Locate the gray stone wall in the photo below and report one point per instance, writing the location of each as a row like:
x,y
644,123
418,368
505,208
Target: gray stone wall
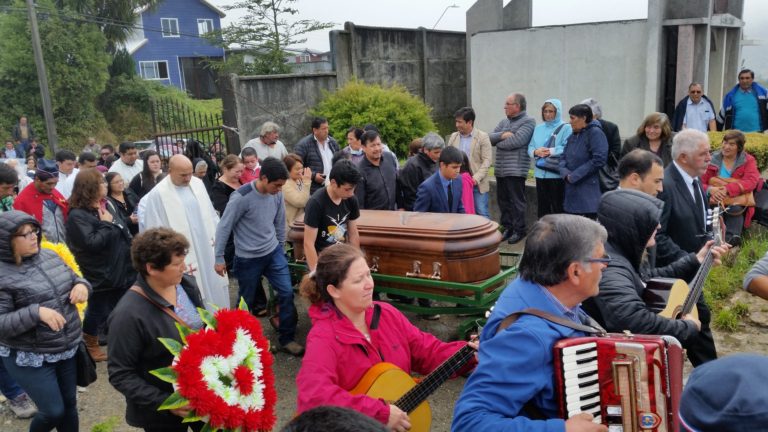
x,y
430,64
283,99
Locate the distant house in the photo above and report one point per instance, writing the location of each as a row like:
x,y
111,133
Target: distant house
x,y
168,45
301,60
308,60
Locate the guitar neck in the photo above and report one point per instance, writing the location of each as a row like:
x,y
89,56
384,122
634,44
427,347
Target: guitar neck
x,y
414,397
697,285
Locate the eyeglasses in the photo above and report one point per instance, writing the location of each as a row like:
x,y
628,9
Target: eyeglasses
x,y
694,91
606,259
30,234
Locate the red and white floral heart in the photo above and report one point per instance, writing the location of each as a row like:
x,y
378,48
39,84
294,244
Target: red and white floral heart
x,y
224,373
236,378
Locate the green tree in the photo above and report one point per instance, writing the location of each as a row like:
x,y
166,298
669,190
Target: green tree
x,y
115,18
264,33
76,63
399,115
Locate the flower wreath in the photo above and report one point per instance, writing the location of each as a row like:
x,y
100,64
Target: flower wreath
x,y
223,372
65,254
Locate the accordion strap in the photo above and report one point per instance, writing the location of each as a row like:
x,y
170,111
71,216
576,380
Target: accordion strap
x,y
591,327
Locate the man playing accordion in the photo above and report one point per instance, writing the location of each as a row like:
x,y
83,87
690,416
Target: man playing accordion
x,y
513,386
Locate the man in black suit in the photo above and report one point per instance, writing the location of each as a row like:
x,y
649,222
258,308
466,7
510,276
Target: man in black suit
x,y
684,226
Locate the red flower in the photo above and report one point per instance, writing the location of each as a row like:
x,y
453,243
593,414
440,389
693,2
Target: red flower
x,y
208,391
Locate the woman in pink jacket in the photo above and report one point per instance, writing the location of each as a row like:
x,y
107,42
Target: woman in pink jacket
x,y
351,333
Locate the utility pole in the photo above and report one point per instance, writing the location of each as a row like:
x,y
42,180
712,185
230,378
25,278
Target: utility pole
x,y
42,77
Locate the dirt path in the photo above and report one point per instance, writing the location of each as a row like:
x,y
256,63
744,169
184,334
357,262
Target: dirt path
x,y
102,405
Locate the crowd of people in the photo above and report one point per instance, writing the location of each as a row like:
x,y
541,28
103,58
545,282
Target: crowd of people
x,y
154,245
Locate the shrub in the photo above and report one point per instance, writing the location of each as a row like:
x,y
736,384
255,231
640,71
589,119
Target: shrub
x,y
757,146
399,115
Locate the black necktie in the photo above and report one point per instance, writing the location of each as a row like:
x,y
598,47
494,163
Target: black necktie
x,y
699,201
450,198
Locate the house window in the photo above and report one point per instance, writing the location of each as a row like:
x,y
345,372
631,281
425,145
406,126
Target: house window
x,y
154,70
304,58
170,27
204,26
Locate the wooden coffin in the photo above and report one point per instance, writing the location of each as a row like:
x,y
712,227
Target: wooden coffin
x,y
448,247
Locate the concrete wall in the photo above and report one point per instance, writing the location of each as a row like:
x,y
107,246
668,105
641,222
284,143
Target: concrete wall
x,y
430,64
283,99
605,61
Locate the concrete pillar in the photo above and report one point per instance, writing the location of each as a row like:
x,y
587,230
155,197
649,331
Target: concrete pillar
x,y
518,14
484,15
653,58
685,60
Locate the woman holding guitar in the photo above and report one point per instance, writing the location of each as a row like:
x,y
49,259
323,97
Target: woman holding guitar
x,y
353,335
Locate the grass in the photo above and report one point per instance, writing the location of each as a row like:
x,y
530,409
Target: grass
x,y
106,426
725,280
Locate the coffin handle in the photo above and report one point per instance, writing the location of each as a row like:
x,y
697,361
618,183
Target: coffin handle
x,y
416,271
375,266
436,271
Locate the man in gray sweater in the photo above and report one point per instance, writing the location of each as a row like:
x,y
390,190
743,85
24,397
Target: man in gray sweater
x,y
256,215
511,137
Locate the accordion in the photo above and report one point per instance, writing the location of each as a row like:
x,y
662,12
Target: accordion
x,y
627,382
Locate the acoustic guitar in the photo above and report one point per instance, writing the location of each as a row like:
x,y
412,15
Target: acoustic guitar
x,y
674,298
389,382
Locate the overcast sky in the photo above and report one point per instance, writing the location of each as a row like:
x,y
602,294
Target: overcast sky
x,y
425,13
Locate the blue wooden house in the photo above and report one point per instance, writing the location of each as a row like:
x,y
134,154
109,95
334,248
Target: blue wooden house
x,y
168,45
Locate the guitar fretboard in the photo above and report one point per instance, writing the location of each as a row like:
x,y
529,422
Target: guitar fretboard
x,y
431,382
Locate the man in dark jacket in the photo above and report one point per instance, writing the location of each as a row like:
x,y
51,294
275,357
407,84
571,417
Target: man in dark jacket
x,y
610,129
511,137
631,219
378,187
316,151
419,168
695,111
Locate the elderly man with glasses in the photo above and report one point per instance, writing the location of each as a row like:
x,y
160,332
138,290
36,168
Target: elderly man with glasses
x,y
695,111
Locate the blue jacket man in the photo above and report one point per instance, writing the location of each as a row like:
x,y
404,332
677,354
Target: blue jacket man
x,y
730,117
432,195
560,267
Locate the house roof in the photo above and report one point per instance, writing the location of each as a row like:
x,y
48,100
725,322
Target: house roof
x,y
218,11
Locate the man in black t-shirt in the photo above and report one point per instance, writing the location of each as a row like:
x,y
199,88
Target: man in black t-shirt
x,y
331,213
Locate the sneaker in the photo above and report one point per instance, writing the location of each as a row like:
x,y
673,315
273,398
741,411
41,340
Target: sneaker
x,y
430,317
22,406
293,348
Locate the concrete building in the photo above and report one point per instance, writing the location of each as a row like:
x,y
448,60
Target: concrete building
x,y
632,67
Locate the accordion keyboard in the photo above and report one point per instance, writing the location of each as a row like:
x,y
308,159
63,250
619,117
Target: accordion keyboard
x,y
582,387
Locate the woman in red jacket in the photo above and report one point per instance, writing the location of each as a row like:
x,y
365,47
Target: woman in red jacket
x,y
732,172
351,333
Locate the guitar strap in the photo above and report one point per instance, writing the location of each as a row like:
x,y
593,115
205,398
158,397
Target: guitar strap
x,y
590,326
376,316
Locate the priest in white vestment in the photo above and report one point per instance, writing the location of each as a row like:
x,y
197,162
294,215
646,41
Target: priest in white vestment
x,y
180,202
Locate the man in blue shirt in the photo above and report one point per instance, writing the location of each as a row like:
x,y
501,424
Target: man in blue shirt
x,y
744,107
561,266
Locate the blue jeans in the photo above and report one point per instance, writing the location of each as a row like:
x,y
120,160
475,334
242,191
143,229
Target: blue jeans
x,y
481,202
275,267
100,305
53,388
8,386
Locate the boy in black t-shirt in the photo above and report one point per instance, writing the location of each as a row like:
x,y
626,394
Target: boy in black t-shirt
x,y
331,213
